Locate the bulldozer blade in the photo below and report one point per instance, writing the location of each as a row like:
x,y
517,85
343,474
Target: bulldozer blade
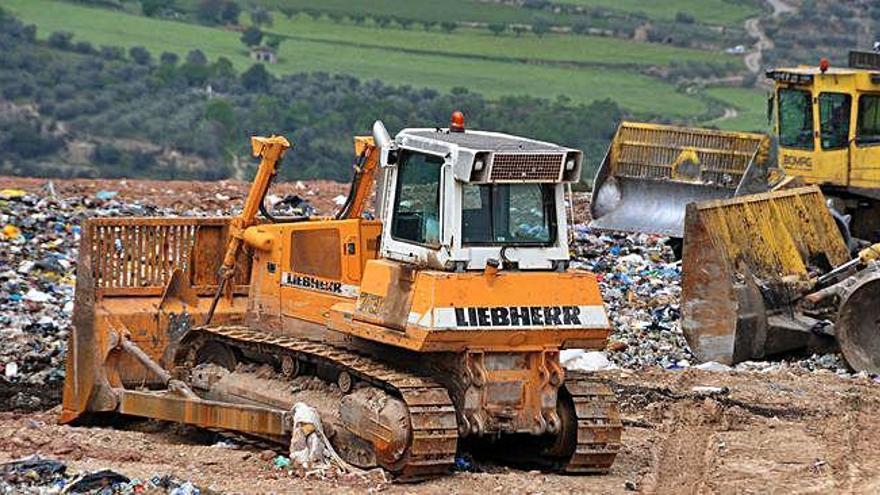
x,y
649,207
651,172
746,261
856,326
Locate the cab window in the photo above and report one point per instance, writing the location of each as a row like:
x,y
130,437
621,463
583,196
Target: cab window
x,y
417,203
508,214
795,119
834,111
868,129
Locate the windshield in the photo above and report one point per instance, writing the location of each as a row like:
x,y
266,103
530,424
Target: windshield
x,y
508,214
795,119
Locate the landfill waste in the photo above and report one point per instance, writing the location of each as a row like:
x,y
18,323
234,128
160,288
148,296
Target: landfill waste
x,y
638,275
96,481
640,282
38,475
582,360
292,205
311,450
713,366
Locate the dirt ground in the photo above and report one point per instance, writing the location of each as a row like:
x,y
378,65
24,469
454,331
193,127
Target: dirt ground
x,y
787,431
784,431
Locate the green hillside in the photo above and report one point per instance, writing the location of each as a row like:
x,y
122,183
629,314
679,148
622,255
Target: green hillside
x,y
439,61
725,12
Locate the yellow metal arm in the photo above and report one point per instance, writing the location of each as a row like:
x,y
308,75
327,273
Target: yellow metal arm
x,y
365,172
270,150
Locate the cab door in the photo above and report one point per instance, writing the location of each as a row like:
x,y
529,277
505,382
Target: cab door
x,y
833,160
865,147
797,121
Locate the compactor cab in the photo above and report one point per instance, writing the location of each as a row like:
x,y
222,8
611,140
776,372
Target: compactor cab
x,y
828,132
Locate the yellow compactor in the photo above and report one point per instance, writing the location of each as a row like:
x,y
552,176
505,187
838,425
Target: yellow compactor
x,y
766,270
441,321
826,133
768,274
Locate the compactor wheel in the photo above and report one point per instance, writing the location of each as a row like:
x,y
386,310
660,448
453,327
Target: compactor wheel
x,y
858,323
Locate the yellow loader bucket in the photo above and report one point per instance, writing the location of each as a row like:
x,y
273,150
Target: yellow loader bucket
x,y
651,172
746,262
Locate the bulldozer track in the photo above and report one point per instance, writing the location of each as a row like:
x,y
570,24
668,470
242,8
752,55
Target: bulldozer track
x,y
434,430
599,427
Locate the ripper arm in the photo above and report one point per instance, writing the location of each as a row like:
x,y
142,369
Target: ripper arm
x,y
270,150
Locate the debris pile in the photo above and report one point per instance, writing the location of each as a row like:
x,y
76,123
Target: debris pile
x,y
39,239
640,280
39,475
641,285
40,234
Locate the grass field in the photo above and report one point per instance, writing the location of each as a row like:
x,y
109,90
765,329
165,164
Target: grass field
x,y
751,107
422,11
551,47
706,11
638,93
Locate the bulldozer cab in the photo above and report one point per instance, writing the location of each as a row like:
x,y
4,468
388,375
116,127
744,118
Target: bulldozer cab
x,y
459,200
828,123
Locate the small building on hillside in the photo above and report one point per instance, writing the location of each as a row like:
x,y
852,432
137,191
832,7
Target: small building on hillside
x,y
264,54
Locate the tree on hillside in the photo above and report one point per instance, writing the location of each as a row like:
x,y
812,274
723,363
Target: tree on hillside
x,y
256,79
448,27
84,47
112,52
140,55
196,57
288,12
169,58
274,42
218,11
497,28
230,12
260,16
252,36
60,40
152,8
541,27
684,18
519,30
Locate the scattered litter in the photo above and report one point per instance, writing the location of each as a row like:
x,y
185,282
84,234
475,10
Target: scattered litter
x,y
582,360
10,370
106,195
12,194
713,366
11,232
311,450
281,462
705,390
39,475
225,444
98,480
293,205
